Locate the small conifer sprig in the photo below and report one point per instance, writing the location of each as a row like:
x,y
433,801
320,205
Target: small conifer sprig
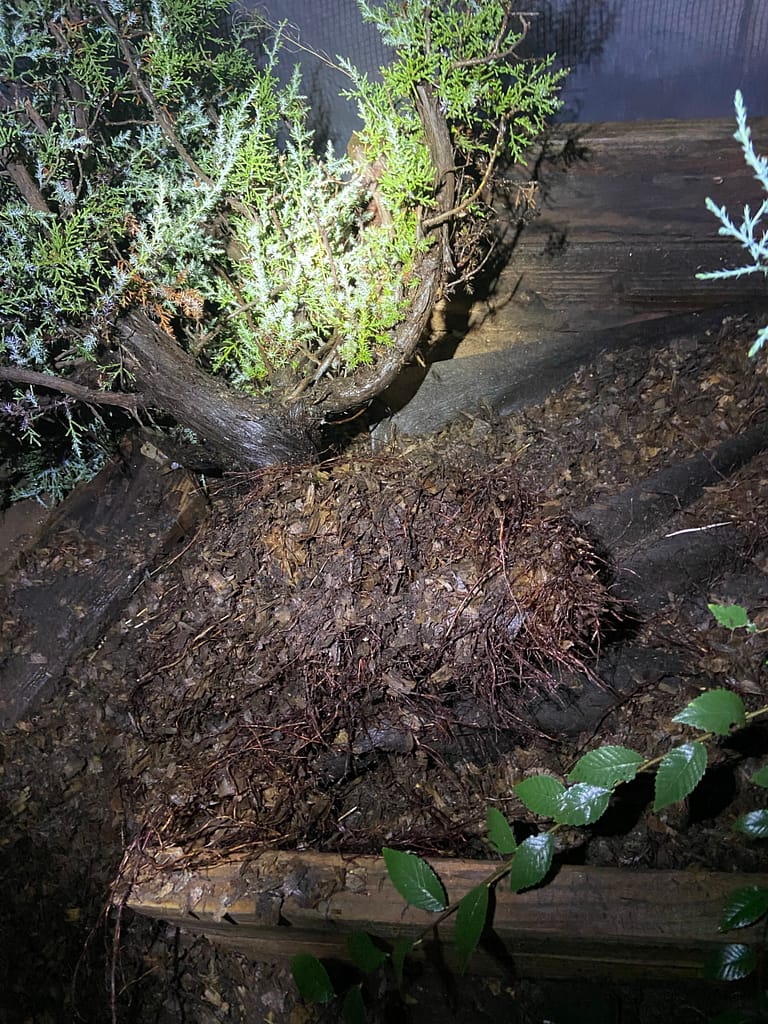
x,y
752,233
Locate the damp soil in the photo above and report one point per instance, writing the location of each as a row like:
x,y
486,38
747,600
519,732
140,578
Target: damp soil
x,y
374,650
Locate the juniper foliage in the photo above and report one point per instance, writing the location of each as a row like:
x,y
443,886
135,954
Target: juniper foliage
x,y
752,233
152,156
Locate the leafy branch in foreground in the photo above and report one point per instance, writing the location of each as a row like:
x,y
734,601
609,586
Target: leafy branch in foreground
x,y
744,908
752,233
580,801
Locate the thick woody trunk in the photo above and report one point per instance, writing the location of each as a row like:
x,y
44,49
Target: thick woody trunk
x,y
244,432
247,432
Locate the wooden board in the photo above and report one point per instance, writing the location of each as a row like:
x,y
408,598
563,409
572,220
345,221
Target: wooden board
x,y
621,231
600,922
68,585
424,400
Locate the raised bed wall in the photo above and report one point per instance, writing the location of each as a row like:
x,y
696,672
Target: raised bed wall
x,y
597,922
608,259
621,231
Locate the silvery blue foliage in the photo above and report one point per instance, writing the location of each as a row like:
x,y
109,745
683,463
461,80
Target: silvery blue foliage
x,y
749,232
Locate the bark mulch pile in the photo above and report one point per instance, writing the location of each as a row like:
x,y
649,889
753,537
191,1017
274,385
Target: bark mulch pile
x,y
347,656
332,616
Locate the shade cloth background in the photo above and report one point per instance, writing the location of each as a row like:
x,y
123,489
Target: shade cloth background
x,y
630,59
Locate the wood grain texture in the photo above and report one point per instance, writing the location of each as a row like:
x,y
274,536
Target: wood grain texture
x,y
597,921
620,231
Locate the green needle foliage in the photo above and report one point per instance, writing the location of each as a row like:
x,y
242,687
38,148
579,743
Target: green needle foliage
x,y
150,157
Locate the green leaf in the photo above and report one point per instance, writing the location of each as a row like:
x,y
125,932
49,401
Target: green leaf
x,y
607,766
364,952
679,773
311,979
471,916
415,880
714,711
732,616
731,963
353,1007
400,951
754,824
500,834
743,907
760,778
540,794
582,804
533,860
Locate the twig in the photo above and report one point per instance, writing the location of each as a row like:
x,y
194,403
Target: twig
x,y
69,387
463,206
321,370
161,116
506,866
696,529
24,182
495,53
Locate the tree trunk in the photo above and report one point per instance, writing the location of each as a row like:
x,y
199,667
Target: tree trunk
x,y
256,432
246,432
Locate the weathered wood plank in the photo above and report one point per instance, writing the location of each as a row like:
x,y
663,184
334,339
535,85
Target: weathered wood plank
x,y
620,232
66,588
512,376
600,921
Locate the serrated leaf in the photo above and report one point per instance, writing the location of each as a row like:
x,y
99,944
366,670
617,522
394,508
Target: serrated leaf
x,y
754,824
532,861
364,953
415,880
760,778
500,834
353,1007
607,766
471,915
311,979
731,963
679,773
582,804
743,907
400,951
731,616
714,711
540,794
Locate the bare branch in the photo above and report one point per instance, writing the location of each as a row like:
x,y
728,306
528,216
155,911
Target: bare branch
x,y
35,119
13,101
24,182
489,58
162,118
322,369
247,431
434,265
69,387
496,53
464,205
142,89
345,393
